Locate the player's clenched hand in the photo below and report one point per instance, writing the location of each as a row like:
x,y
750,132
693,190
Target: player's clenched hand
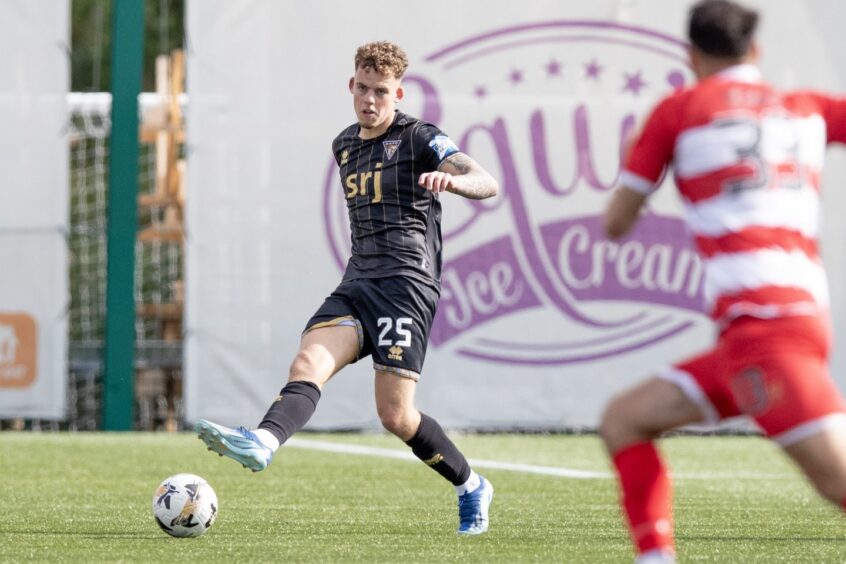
x,y
436,181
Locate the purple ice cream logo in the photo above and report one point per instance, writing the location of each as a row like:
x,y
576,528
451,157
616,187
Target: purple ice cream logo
x,y
529,277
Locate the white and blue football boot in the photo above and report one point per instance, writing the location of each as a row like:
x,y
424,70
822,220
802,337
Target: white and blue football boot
x,y
473,509
239,444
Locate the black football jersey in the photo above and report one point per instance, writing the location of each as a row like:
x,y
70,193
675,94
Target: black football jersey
x,y
395,224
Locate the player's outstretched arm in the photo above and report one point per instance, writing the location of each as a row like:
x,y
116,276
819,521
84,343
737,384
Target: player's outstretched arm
x,y
623,211
461,175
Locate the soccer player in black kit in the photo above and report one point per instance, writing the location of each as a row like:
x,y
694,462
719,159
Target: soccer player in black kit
x,y
393,167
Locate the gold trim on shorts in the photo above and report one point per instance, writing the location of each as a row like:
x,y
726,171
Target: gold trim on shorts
x,y
337,322
402,372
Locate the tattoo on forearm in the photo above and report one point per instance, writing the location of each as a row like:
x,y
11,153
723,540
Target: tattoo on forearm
x,y
462,163
469,179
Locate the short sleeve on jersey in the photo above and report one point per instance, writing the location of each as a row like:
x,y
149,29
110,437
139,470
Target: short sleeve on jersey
x,y
434,145
834,113
832,109
652,150
336,149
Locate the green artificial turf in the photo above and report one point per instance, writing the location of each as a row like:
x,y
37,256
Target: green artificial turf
x,y
87,498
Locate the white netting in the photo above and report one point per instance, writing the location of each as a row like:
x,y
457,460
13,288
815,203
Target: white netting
x,y
89,138
158,263
157,277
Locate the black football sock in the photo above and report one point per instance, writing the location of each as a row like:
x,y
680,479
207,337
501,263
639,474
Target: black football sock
x,y
431,445
291,410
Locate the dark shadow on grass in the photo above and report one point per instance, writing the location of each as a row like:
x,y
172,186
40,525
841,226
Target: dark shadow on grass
x,y
127,534
760,538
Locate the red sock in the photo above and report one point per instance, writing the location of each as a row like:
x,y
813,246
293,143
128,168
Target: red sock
x,y
645,493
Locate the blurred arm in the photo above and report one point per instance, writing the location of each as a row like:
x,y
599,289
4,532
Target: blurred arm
x,y
623,211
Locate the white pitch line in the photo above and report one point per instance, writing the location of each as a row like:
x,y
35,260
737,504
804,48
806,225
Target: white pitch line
x,y
474,462
346,448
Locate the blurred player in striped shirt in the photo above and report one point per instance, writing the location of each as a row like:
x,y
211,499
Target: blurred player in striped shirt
x,y
747,161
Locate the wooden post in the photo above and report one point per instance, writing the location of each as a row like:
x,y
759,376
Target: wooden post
x,y
166,129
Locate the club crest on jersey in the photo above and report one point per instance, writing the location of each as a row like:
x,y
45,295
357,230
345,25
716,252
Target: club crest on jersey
x,y
750,391
443,146
391,148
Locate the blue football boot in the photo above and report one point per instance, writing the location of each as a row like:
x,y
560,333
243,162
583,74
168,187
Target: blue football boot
x,y
473,509
239,444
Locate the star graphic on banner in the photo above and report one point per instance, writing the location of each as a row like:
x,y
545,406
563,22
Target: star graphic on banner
x,y
592,70
634,83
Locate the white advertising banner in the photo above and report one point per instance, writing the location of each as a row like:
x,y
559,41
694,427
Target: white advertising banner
x,y
541,318
34,80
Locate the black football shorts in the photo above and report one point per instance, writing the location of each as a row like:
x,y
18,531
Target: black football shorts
x,y
393,317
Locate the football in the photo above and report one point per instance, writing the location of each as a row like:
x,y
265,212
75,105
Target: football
x,y
185,505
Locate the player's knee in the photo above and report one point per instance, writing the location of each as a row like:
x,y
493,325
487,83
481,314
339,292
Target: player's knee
x,y
615,427
834,490
303,367
611,425
396,421
822,459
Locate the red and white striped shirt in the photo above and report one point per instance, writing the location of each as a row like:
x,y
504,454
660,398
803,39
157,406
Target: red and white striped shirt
x,y
747,161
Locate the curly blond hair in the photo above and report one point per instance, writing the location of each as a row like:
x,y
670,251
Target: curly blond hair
x,y
382,56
